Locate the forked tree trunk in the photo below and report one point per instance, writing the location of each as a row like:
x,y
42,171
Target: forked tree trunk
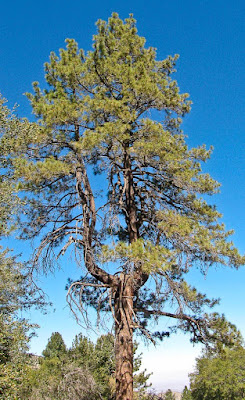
x,y
124,338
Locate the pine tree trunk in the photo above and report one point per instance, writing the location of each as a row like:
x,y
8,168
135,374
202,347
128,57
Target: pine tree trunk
x,y
124,338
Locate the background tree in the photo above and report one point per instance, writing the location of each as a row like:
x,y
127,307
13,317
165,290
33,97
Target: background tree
x,y
82,352
220,377
104,365
141,377
62,374
169,395
56,347
116,111
14,332
186,394
219,373
17,291
85,371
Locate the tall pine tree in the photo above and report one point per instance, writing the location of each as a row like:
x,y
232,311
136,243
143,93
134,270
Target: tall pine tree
x,y
116,112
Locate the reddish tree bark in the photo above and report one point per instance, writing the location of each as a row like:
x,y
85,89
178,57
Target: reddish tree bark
x,y
124,338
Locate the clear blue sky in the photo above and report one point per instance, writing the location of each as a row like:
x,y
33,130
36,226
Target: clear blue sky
x,y
209,36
